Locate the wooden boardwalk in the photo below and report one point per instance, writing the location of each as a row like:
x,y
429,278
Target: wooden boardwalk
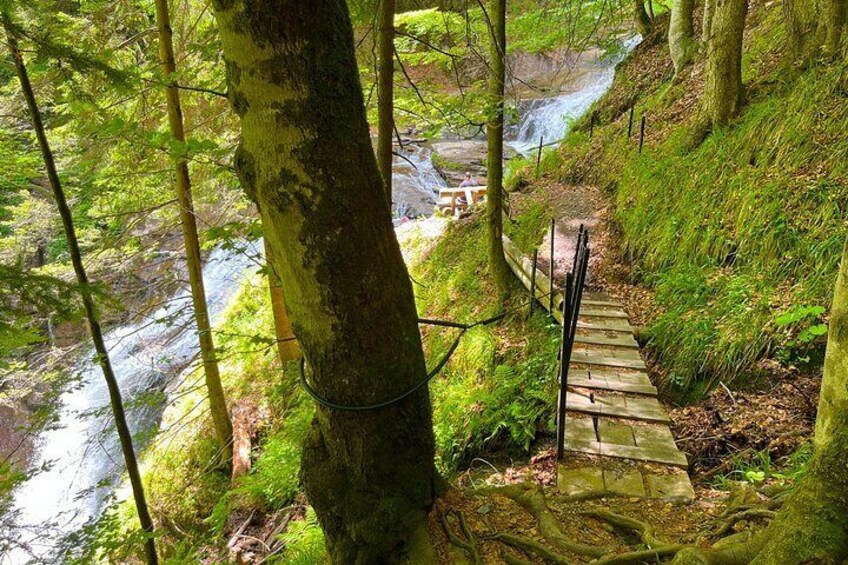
x,y
613,416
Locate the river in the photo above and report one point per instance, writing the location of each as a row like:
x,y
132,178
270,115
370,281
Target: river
x,y
80,460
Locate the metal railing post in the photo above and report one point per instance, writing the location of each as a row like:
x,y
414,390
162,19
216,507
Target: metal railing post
x,y
564,360
551,268
533,282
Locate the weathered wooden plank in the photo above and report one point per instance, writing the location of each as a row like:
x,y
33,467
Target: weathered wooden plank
x,y
601,303
601,351
624,341
664,456
617,408
592,359
595,313
604,326
615,386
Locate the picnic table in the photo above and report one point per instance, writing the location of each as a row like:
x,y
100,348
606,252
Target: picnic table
x,y
448,197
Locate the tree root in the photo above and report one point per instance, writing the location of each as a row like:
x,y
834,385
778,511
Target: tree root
x,y
532,499
731,521
531,546
469,544
656,548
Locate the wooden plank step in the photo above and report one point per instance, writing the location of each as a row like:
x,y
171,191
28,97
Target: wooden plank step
x,y
601,339
604,326
637,408
601,383
664,456
592,359
593,313
601,351
600,303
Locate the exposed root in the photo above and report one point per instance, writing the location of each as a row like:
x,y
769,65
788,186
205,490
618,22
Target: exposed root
x,y
656,548
531,546
736,517
469,544
511,560
531,498
646,555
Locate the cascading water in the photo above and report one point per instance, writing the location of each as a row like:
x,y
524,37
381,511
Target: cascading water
x,y
550,119
81,458
415,182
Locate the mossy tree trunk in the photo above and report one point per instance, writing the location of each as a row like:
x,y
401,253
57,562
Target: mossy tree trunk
x,y
681,34
832,23
707,21
287,348
92,316
494,133
306,159
641,17
214,389
386,91
723,91
801,22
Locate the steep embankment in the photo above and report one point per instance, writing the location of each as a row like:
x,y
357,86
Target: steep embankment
x,y
736,241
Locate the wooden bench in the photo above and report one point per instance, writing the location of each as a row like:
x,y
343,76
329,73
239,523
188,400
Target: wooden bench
x,y
448,197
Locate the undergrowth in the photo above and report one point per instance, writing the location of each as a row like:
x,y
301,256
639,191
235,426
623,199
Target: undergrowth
x,y
735,235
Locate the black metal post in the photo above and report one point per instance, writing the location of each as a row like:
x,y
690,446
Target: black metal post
x,y
577,249
564,360
630,121
539,155
642,134
533,282
551,269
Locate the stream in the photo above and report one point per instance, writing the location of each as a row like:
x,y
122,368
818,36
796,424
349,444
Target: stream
x,y
79,459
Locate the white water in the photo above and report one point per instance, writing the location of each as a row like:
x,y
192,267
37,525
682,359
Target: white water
x,y
415,182
551,119
81,455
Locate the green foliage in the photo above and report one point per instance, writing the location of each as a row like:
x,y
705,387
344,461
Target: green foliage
x,y
304,543
498,389
736,235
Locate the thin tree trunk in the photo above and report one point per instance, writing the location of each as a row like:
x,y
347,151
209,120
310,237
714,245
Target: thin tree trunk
x,y
681,34
214,389
643,21
286,342
385,91
494,134
723,91
707,22
306,158
124,434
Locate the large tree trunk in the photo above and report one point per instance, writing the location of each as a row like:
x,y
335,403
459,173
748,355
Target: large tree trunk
x,y
801,21
707,22
643,21
723,91
217,401
307,160
681,34
286,343
386,91
92,317
494,133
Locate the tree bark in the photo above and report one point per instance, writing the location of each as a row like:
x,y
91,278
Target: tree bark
x,y
707,22
643,21
214,389
286,343
386,91
723,91
681,34
801,18
306,159
92,317
834,18
494,133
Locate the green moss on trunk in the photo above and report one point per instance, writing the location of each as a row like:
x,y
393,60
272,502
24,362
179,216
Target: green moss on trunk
x,y
306,158
723,92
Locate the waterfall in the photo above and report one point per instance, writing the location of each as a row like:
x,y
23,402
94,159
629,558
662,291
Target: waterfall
x,y
80,459
415,182
552,118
